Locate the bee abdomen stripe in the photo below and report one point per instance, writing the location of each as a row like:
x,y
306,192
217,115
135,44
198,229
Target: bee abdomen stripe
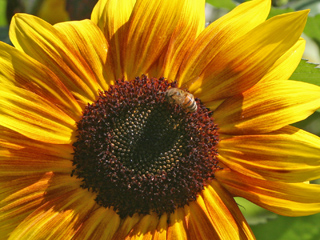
x,y
193,106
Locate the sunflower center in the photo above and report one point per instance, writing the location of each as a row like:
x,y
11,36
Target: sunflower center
x,y
140,152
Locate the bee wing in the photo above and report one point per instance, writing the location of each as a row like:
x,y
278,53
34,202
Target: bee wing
x,y
180,96
186,85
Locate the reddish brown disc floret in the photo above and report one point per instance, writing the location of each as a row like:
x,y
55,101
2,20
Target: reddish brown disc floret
x,y
139,153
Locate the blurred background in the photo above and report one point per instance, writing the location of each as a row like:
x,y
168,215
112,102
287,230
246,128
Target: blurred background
x,y
266,225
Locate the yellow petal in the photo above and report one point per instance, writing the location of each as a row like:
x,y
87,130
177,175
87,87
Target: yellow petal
x,y
53,11
289,154
94,56
19,197
151,25
18,69
64,184
177,226
126,226
101,224
44,43
289,199
199,224
287,63
111,17
56,219
15,141
246,60
21,156
161,231
145,228
19,163
267,107
190,24
34,117
219,34
221,208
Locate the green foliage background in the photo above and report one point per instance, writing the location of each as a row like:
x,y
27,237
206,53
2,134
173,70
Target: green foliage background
x,y
3,20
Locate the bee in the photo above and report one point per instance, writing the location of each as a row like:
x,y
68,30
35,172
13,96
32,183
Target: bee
x,y
183,98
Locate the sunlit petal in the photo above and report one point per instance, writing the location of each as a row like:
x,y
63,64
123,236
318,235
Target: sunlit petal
x,y
246,60
219,34
27,73
289,154
289,199
111,16
34,116
44,43
259,111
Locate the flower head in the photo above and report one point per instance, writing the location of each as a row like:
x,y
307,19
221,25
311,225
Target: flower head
x,y
141,123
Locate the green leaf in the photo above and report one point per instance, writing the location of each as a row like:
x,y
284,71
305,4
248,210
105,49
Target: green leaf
x,y
279,3
311,124
312,28
3,20
293,228
307,72
313,5
253,213
278,11
228,4
4,34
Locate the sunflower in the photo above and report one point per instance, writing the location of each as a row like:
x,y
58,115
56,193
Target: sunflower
x,y
143,124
